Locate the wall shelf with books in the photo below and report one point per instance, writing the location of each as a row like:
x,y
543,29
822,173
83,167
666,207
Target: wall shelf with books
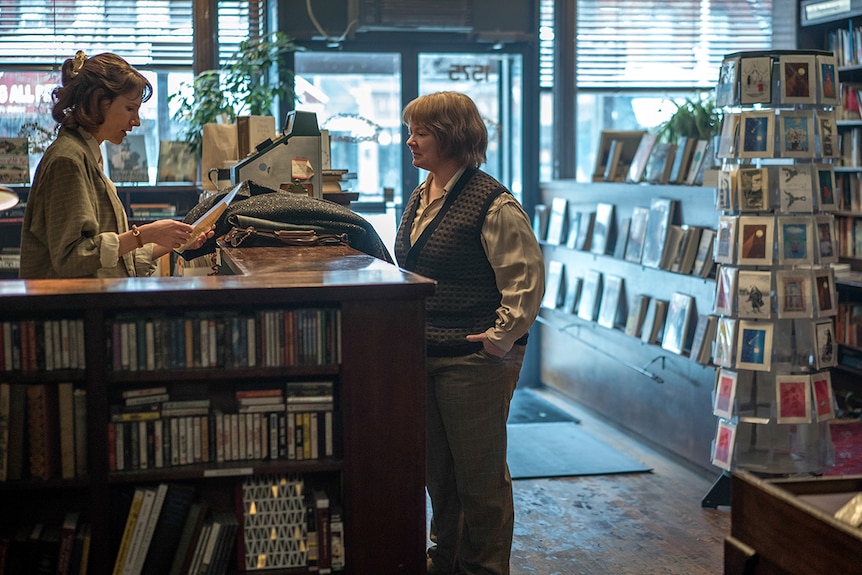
x,y
620,379
224,428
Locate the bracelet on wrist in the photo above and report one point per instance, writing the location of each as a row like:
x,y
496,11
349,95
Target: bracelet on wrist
x,y
137,233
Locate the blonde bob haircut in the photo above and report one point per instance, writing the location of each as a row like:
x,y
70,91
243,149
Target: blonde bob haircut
x,y
456,123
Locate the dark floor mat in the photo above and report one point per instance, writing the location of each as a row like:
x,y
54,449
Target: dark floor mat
x,y
529,407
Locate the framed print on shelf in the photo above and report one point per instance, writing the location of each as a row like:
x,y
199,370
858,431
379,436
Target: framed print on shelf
x,y
754,345
725,342
795,240
793,398
796,134
794,188
824,401
637,233
825,346
754,294
755,80
753,189
756,135
677,327
755,240
826,198
725,289
628,139
827,248
725,393
827,80
798,79
725,239
793,292
725,439
827,134
825,295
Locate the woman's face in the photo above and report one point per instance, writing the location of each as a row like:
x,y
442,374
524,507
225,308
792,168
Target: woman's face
x,y
121,116
425,148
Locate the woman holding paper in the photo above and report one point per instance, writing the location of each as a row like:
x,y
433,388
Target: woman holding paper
x,y
75,224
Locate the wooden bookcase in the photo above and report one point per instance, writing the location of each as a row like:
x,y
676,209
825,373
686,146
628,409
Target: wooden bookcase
x,y
378,475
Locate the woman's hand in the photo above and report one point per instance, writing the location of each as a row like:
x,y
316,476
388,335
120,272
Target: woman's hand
x,y
172,234
489,346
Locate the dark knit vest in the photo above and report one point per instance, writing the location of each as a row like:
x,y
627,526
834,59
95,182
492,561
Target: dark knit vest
x,y
450,252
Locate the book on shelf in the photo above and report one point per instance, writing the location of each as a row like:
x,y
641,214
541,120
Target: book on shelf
x,y
622,238
677,331
585,231
654,322
703,259
168,529
16,462
661,216
557,221
573,227
127,161
673,247
14,161
681,159
42,432
555,285
641,158
66,429
79,402
637,234
603,237
323,529
131,524
68,531
613,167
698,162
613,297
5,417
588,306
660,163
541,215
573,294
627,142
687,253
702,340
636,315
189,536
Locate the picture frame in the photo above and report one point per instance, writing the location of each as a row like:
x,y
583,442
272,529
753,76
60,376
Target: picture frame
x,y
828,90
754,294
724,444
755,245
827,199
637,234
827,245
796,134
795,188
726,188
795,240
725,239
827,134
823,398
612,298
755,80
725,342
725,289
726,91
725,393
793,398
752,186
798,79
677,330
757,135
754,345
793,294
825,345
629,139
825,294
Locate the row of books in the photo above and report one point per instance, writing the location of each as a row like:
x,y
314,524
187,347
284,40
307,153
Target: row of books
x,y
783,189
846,45
849,236
266,338
848,325
802,135
655,162
784,240
649,237
43,431
601,298
851,147
266,426
153,210
41,345
56,547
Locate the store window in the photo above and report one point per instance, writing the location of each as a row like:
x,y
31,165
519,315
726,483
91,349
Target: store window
x,y
155,36
634,59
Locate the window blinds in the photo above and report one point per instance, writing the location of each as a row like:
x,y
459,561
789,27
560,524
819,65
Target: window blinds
x,y
634,44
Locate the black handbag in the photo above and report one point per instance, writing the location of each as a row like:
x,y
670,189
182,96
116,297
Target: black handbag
x,y
251,231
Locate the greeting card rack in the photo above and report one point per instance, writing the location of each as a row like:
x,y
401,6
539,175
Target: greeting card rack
x,y
775,288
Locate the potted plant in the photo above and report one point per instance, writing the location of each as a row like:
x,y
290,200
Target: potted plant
x,y
695,118
250,83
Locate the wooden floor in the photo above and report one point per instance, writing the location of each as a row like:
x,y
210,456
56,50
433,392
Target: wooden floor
x,y
637,524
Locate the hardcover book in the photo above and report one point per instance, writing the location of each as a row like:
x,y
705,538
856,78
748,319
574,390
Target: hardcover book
x,y
653,328
558,222
662,212
541,215
641,158
630,139
703,260
677,331
127,161
637,314
555,285
727,90
682,159
573,294
660,163
612,297
603,229
704,336
637,234
573,231
588,306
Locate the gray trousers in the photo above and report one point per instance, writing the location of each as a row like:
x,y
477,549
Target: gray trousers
x,y
467,475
